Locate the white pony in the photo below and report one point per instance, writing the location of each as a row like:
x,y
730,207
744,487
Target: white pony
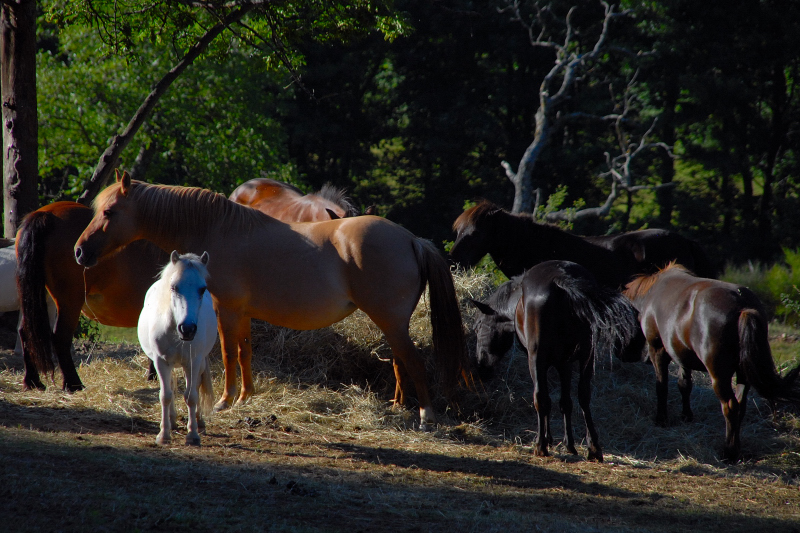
x,y
9,297
178,326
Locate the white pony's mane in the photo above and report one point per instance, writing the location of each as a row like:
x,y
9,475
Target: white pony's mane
x,y
186,261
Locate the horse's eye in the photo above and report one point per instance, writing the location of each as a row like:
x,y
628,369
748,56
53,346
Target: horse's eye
x,y
107,213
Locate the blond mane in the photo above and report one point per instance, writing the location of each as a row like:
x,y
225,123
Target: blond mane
x,y
641,284
185,210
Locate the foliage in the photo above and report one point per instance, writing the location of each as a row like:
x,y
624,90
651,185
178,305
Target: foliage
x,y
88,332
776,285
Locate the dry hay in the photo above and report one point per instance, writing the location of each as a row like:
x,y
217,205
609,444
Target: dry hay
x,y
338,381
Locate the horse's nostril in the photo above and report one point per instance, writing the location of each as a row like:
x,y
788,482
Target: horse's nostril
x,y
187,331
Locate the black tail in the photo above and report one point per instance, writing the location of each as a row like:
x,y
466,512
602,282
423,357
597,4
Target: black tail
x,y
613,319
755,361
35,327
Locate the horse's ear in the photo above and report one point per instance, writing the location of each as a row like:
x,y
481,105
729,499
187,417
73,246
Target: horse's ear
x,y
124,181
204,258
332,214
175,257
371,210
482,307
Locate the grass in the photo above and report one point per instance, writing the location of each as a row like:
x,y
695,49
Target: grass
x,y
319,448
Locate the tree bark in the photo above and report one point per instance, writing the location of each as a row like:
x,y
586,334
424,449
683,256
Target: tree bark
x,y
110,158
20,126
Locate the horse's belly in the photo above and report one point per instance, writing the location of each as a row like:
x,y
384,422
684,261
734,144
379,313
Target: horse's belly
x,y
304,317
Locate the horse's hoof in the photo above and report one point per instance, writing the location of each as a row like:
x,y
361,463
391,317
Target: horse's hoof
x,y
73,388
595,455
193,440
661,422
427,427
540,452
162,440
33,385
572,450
221,406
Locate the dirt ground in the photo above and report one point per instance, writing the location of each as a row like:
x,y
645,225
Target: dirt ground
x,y
309,458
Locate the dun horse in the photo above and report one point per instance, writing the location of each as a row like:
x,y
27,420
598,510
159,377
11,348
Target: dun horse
x,y
710,326
517,242
178,327
561,316
297,275
286,202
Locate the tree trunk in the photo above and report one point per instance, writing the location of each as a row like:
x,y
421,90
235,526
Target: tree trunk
x,y
20,126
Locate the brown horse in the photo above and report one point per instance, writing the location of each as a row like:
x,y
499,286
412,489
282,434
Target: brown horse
x,y
710,326
111,292
296,275
517,242
286,202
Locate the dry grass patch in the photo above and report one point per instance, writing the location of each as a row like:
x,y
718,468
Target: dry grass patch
x,y
319,448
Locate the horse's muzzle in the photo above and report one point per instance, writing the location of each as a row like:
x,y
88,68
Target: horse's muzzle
x,y
187,331
82,258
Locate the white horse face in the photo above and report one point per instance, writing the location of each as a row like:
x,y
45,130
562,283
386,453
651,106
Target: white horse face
x,y
187,289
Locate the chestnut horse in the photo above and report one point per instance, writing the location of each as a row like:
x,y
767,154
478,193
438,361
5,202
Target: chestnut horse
x,y
286,202
561,315
296,275
111,292
517,242
711,326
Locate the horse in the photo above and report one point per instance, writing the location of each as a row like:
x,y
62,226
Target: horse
x,y
710,326
561,315
517,242
112,292
286,202
178,326
296,275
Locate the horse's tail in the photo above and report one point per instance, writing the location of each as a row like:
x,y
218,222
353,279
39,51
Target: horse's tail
x,y
449,343
206,403
613,320
755,361
37,337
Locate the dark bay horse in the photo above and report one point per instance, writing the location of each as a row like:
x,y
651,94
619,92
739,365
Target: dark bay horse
x,y
711,326
296,275
561,315
112,292
517,242
288,203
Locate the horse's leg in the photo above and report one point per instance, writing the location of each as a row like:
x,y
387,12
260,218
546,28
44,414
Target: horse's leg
x,y
69,314
165,396
230,325
31,379
412,365
192,396
565,373
584,398
660,360
400,375
245,359
541,401
685,387
730,410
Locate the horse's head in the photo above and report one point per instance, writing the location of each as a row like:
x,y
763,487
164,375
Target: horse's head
x,y
495,337
186,277
474,234
113,225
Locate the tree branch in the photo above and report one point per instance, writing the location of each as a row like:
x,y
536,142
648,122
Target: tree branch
x,y
109,160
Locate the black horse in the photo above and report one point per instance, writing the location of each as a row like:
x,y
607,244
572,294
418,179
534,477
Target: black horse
x,y
560,315
517,242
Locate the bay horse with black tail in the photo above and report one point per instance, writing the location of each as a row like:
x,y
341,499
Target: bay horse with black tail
x,y
288,203
297,275
710,326
112,292
517,242
560,315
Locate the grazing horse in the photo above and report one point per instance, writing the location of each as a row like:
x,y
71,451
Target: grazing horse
x,y
111,292
178,327
286,202
517,242
560,315
297,275
710,326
